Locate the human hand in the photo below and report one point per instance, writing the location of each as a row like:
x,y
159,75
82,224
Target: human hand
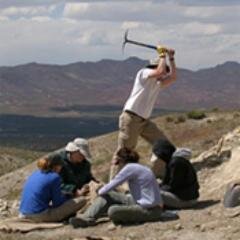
x,y
170,52
161,50
83,191
94,186
115,160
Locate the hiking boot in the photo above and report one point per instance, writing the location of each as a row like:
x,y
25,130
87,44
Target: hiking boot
x,y
82,223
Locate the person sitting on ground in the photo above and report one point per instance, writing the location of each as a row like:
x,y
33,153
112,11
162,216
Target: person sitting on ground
x,y
232,195
180,187
142,205
42,199
76,170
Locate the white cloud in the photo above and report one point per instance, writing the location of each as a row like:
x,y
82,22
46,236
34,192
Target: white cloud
x,y
26,11
227,43
57,41
202,12
196,28
117,11
26,3
41,19
60,32
204,2
219,14
93,38
130,24
74,9
3,18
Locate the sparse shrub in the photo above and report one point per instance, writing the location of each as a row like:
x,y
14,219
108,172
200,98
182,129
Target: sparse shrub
x,y
207,142
105,177
216,109
13,194
209,121
236,115
180,119
99,161
196,114
169,119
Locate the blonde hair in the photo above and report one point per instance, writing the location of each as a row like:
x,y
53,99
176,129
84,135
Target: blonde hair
x,y
47,163
42,164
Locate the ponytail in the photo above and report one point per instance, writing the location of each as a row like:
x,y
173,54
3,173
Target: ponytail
x,y
48,163
43,164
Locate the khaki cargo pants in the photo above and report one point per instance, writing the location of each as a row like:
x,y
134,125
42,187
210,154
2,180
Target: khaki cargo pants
x,y
58,214
130,128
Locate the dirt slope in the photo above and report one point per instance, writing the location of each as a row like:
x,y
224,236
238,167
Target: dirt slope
x,y
199,135
217,164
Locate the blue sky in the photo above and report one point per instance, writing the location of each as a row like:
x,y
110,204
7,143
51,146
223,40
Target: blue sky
x,y
204,33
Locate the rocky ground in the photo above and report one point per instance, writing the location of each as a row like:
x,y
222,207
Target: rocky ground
x,y
216,167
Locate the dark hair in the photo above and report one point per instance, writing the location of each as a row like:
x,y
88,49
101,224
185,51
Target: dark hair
x,y
155,66
47,163
127,155
163,149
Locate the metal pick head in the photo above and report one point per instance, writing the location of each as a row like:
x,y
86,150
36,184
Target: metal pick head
x,y
125,40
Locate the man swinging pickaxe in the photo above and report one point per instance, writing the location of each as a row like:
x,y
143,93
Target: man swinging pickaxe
x,y
134,120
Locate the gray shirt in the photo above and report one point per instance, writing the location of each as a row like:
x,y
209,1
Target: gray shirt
x,y
142,184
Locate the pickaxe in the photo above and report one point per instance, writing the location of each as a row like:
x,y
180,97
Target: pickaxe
x,y
126,40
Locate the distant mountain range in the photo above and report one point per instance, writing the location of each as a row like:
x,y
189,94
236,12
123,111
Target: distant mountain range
x,y
41,89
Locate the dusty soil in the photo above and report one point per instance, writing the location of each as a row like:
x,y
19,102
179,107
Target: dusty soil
x,y
208,221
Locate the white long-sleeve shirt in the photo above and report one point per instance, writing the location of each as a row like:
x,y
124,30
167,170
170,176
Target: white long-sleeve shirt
x,y
142,184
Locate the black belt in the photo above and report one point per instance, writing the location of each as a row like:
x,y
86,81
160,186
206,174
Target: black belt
x,y
134,114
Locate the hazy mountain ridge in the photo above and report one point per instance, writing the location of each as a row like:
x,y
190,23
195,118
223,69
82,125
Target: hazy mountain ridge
x,y
40,87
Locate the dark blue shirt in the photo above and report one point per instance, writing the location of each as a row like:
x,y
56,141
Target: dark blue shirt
x,y
41,189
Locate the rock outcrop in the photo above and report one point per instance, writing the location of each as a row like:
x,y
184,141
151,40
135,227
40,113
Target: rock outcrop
x,y
8,208
220,164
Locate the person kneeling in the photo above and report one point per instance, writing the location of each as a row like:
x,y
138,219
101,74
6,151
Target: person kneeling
x,y
42,199
142,205
180,187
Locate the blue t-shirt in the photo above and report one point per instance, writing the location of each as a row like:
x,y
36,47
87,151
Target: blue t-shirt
x,y
41,189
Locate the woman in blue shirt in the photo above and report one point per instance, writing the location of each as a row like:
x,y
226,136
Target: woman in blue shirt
x,y
42,200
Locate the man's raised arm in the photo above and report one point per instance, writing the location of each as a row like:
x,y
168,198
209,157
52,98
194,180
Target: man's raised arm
x,y
173,70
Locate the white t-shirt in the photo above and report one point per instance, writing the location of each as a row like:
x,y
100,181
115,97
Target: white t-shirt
x,y
144,94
